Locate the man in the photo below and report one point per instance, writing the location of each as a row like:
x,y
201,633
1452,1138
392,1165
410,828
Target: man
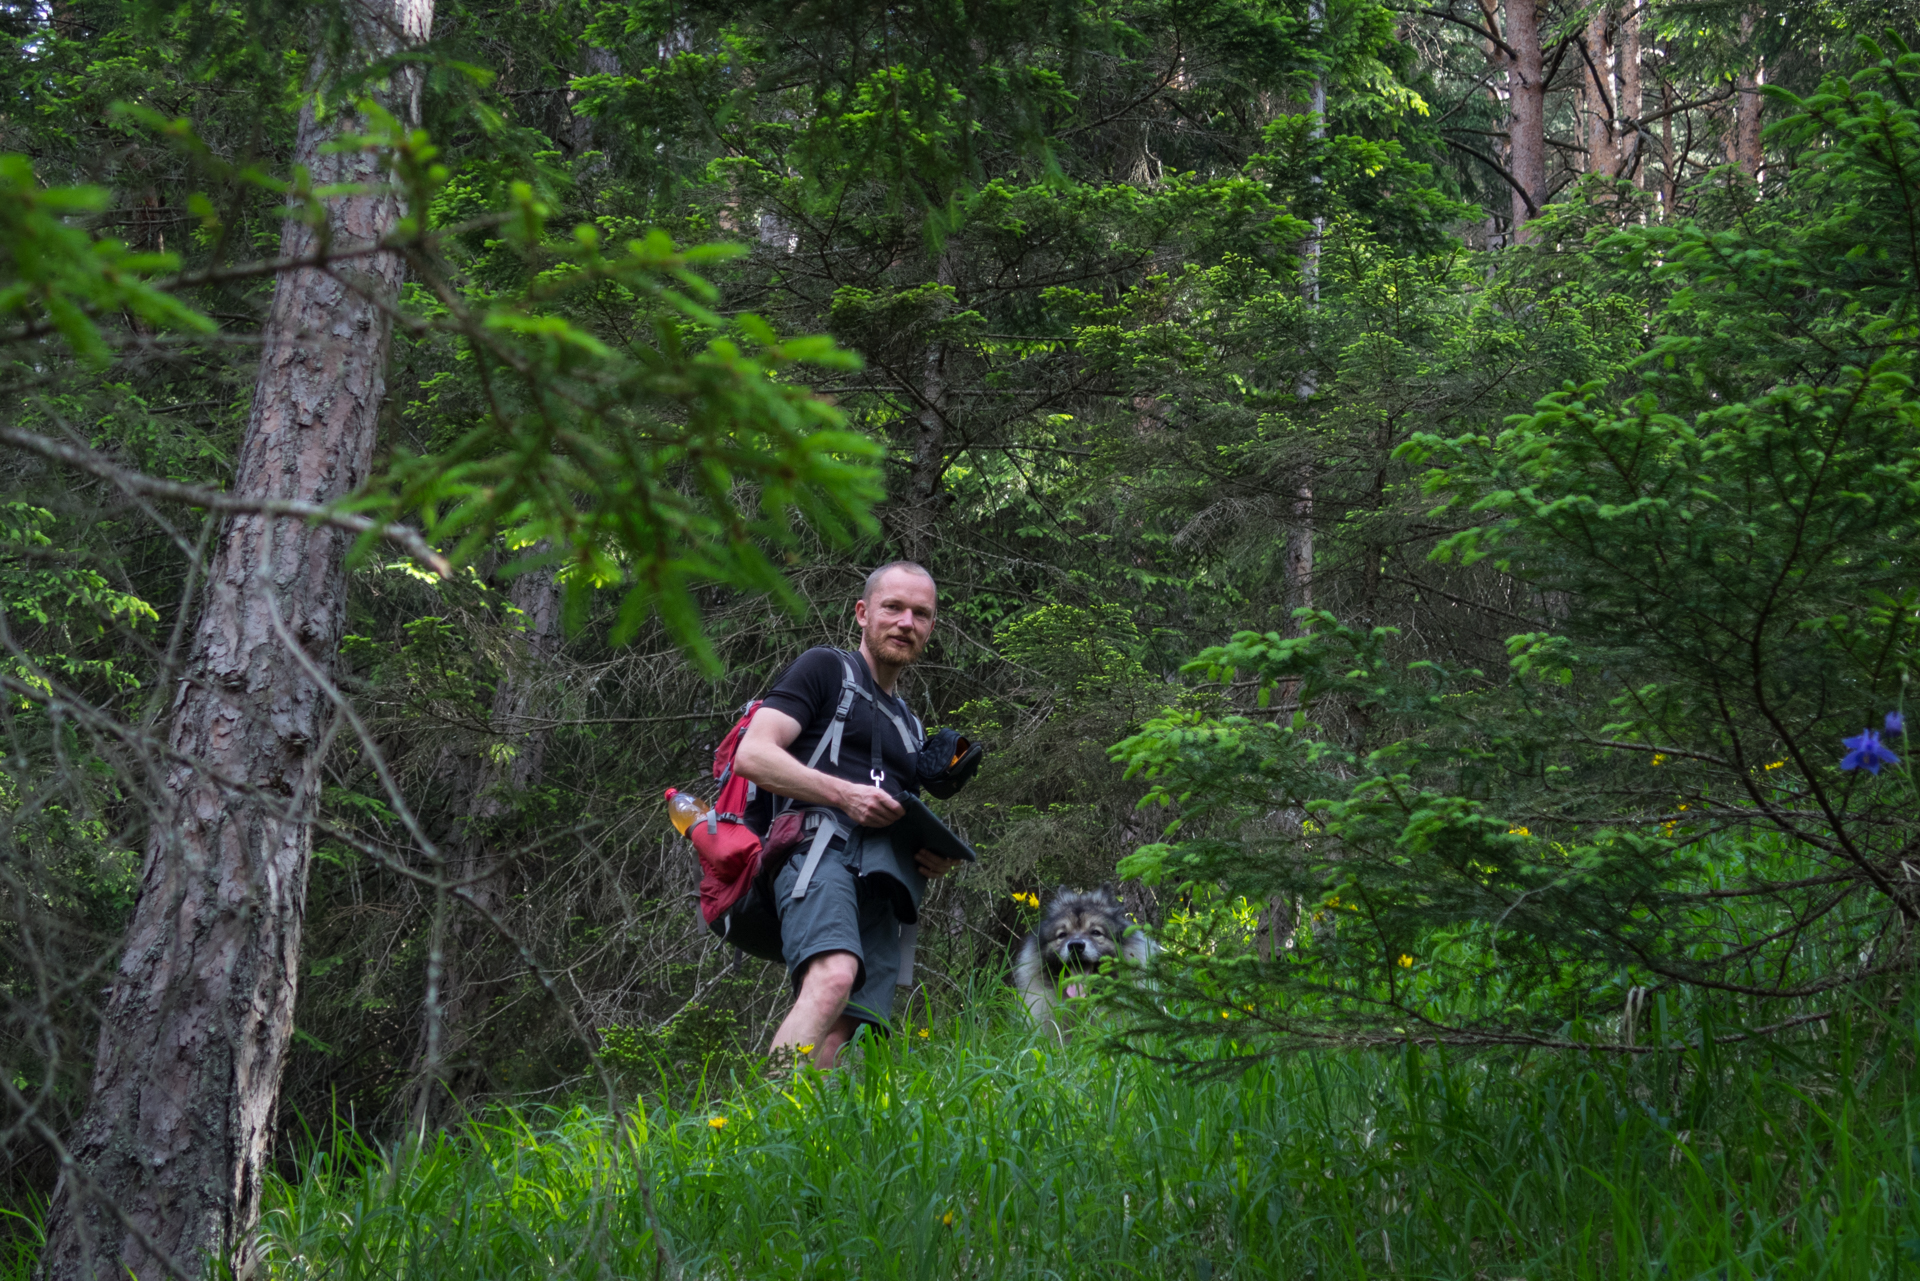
x,y
841,939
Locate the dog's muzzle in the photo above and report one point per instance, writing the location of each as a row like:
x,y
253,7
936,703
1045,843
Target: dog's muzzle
x,y
1077,954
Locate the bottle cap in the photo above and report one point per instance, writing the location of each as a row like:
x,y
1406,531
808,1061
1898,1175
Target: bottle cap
x,y
672,792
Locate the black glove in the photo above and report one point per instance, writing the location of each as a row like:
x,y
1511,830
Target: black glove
x,y
947,762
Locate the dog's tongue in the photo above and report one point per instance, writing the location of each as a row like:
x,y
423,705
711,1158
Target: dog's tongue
x,y
1076,989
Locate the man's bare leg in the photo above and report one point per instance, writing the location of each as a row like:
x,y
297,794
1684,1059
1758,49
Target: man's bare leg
x,y
819,1011
835,1040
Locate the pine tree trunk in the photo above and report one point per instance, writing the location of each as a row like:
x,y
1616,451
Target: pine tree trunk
x,y
600,62
926,466
1497,106
1310,253
196,1024
1603,153
1277,919
1670,165
1746,104
1527,128
1627,108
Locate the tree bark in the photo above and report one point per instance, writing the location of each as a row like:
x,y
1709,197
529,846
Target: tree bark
x,y
1603,125
1296,554
1670,163
1747,155
600,62
1310,255
1627,108
484,787
172,1149
1497,96
1527,123
927,465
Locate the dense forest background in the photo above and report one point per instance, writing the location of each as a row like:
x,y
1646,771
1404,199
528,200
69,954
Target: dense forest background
x,y
1523,388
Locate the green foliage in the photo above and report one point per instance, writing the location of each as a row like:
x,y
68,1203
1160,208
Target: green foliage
x,y
992,1151
699,1044
56,607
55,278
597,413
1080,651
631,460
653,467
1651,793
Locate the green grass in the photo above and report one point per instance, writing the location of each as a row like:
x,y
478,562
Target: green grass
x,y
988,1151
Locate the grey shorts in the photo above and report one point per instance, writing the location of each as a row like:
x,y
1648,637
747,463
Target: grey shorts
x,y
842,912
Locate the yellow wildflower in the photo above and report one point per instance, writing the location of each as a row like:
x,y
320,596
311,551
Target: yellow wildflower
x,y
1776,765
1405,962
803,1049
947,1219
1226,1014
717,1122
923,1031
1031,900
1519,831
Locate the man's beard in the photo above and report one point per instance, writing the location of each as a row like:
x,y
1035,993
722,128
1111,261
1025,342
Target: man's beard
x,y
896,649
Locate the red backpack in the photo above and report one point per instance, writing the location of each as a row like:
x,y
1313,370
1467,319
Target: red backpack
x,y
733,853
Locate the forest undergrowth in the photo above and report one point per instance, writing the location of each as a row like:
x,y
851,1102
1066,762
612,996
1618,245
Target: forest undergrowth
x,y
978,1147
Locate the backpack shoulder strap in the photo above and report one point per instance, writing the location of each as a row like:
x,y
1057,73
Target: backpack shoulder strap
x,y
905,723
829,744
730,746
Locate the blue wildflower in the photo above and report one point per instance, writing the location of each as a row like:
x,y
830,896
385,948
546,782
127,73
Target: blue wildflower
x,y
1896,723
1866,751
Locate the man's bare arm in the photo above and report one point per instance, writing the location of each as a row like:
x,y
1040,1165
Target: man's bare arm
x,y
763,757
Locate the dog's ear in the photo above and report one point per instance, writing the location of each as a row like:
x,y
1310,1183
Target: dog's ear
x,y
1110,892
1059,891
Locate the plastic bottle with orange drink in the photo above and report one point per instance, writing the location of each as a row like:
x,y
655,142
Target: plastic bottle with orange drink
x,y
684,809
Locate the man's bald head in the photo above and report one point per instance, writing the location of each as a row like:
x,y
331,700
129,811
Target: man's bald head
x,y
892,567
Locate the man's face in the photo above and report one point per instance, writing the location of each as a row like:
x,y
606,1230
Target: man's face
x,y
897,620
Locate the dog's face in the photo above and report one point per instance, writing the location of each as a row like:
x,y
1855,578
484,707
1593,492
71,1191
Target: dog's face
x,y
1079,929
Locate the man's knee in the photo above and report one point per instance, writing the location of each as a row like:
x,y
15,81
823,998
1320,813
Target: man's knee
x,y
830,976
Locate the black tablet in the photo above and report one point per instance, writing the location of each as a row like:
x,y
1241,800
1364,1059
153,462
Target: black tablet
x,y
922,829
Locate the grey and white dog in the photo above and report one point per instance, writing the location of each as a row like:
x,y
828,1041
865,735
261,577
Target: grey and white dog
x,y
1078,929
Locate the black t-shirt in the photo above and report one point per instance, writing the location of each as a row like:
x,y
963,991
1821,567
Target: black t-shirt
x,y
810,691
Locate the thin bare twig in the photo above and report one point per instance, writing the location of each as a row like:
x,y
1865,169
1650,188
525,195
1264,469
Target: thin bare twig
x,y
135,482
